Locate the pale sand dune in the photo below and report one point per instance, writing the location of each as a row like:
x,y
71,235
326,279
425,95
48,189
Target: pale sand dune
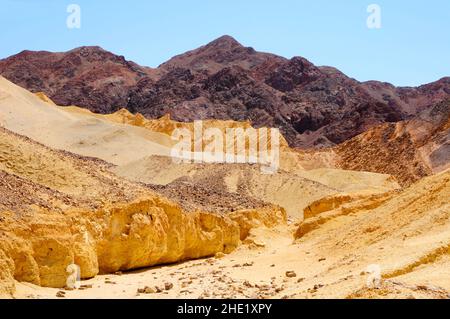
x,y
79,132
290,160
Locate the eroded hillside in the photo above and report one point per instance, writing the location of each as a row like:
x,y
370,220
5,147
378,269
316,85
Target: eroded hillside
x,y
408,150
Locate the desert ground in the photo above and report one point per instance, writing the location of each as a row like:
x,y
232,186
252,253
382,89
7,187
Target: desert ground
x,y
101,192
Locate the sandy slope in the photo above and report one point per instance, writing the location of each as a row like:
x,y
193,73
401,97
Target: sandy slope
x,y
289,159
118,138
292,190
26,114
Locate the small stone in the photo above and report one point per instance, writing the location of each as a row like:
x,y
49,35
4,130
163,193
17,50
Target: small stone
x,y
316,287
146,290
219,255
291,274
260,244
61,294
149,290
86,286
422,287
300,280
168,285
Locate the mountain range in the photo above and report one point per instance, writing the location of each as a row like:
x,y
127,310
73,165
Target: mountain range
x,y
314,106
90,190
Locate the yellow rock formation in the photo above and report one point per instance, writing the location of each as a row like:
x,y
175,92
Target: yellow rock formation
x,y
59,209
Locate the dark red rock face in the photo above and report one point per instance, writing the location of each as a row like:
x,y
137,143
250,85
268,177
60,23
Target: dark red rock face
x,y
313,106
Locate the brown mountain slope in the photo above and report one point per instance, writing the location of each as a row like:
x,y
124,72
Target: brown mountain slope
x,y
90,76
409,150
410,100
222,52
313,106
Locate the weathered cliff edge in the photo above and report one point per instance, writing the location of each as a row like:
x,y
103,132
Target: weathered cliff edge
x,y
37,248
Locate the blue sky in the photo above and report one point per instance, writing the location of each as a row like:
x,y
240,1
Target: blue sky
x,y
411,48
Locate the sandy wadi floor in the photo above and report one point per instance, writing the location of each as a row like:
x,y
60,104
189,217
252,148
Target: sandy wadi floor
x,y
281,269
406,234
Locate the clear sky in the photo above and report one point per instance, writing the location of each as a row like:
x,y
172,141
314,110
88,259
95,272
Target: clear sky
x,y
411,48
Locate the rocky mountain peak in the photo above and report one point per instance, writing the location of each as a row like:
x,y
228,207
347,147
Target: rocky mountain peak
x,y
224,42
